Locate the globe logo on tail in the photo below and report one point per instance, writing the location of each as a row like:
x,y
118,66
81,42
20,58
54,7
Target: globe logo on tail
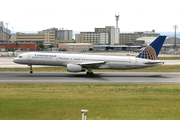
x,y
148,53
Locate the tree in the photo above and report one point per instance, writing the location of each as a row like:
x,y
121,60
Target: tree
x,y
41,45
51,46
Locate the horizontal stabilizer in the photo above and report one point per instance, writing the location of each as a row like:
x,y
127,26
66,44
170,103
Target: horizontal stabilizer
x,y
153,62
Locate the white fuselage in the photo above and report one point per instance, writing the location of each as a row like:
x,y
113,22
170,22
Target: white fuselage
x,y
60,59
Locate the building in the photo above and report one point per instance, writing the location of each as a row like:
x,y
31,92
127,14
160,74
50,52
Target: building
x,y
113,34
114,48
5,33
169,44
64,34
46,37
93,38
79,38
49,37
13,38
144,41
64,41
61,34
171,40
82,47
20,46
102,36
130,38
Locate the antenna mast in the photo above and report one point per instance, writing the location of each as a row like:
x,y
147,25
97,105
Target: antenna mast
x,y
117,18
175,27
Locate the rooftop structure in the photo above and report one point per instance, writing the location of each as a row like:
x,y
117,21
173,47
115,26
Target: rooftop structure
x,y
170,40
117,18
61,34
147,40
4,32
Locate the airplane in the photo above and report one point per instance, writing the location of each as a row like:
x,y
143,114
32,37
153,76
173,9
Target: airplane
x,y
80,62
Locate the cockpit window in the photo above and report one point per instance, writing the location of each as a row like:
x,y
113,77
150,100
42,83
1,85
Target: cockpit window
x,y
20,56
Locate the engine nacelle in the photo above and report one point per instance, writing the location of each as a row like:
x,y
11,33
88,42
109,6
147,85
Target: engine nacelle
x,y
74,68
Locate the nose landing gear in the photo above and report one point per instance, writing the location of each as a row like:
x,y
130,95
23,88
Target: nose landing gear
x,y
30,69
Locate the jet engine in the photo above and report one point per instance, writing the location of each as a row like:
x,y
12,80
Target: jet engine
x,y
74,68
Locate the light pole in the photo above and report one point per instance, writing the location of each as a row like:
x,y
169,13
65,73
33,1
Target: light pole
x,y
175,27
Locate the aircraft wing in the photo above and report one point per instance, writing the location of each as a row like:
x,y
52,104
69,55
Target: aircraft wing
x,y
95,64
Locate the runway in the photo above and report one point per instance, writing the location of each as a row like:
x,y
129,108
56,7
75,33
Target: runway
x,y
99,77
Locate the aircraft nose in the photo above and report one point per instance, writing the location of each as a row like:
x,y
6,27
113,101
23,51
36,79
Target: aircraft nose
x,y
15,60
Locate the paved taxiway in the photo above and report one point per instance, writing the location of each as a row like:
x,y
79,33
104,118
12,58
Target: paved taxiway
x,y
108,77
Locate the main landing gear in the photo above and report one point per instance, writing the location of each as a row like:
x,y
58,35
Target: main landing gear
x,y
89,73
30,69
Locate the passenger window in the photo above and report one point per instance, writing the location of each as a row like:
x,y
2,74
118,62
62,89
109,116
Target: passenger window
x,y
20,56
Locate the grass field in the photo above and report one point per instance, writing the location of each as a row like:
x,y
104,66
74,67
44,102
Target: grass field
x,y
162,68
104,101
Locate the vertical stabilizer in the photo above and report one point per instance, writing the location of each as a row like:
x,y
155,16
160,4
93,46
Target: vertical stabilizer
x,y
152,51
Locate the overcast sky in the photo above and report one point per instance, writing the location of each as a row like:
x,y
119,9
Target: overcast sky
x,y
85,15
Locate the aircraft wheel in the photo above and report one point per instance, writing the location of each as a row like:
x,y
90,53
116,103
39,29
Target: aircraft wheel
x,y
90,74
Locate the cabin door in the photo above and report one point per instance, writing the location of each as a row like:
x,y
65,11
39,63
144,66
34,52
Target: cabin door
x,y
136,63
29,57
58,58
